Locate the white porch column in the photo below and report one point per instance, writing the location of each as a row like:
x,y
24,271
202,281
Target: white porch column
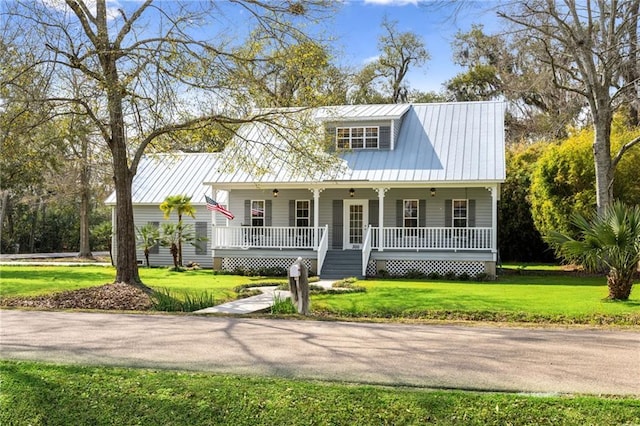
x,y
381,192
316,217
495,193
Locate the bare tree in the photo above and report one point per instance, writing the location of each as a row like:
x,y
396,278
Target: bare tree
x,y
398,53
593,42
153,69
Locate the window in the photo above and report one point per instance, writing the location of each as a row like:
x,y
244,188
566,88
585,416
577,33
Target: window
x,y
460,213
155,249
371,135
257,212
303,213
201,237
410,214
357,137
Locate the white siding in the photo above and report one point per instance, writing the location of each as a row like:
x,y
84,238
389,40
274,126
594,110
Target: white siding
x,y
435,216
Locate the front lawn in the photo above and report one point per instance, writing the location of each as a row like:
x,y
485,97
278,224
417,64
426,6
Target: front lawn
x,y
543,298
46,394
36,280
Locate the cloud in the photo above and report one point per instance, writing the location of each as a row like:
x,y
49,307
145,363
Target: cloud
x,y
392,2
370,59
112,7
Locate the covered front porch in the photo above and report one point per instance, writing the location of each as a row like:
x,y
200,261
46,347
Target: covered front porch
x,y
393,250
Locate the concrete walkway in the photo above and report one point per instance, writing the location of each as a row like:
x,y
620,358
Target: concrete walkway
x,y
256,303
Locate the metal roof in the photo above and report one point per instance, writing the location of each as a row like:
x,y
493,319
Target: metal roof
x,y
362,112
161,175
437,143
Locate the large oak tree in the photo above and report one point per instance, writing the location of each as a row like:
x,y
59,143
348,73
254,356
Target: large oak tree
x,y
595,43
151,69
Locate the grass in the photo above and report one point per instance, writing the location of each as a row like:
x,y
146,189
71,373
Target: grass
x,y
37,280
46,394
549,298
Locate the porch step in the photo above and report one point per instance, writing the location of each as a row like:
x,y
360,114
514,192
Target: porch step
x,y
340,264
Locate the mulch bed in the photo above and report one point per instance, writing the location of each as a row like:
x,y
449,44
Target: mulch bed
x,y
115,296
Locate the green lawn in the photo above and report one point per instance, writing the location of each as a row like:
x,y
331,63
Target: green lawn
x,y
36,280
46,394
547,296
530,298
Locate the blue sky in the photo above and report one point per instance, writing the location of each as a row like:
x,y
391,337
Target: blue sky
x,y
357,28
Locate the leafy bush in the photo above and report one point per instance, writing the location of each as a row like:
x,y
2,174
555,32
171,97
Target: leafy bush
x,y
414,274
464,277
434,275
450,275
482,276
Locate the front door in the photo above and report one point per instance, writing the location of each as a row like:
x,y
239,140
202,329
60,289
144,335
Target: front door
x,y
355,221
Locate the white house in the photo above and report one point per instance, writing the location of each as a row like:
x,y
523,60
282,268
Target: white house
x,y
418,190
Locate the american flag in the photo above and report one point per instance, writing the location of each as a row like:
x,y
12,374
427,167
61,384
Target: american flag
x,y
215,207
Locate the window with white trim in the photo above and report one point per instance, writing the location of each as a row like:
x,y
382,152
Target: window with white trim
x,y
303,213
410,213
257,212
358,137
460,213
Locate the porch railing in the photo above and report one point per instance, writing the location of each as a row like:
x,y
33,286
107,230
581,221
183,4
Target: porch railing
x,y
366,249
280,237
323,246
432,238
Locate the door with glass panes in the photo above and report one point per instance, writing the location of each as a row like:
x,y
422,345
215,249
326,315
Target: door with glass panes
x,y
355,222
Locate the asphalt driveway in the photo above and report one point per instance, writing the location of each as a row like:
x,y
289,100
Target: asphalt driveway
x,y
483,358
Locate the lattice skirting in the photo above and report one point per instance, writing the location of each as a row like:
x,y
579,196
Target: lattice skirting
x,y
442,267
232,263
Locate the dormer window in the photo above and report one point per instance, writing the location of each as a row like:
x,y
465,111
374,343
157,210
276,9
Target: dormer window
x,y
357,137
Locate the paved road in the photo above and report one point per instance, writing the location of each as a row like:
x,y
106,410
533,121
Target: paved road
x,y
527,360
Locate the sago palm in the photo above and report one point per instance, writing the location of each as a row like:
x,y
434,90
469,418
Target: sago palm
x,y
148,237
611,240
181,204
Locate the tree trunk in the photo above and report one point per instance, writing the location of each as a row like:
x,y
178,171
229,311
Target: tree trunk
x,y
3,211
619,285
85,206
179,240
174,253
126,263
602,156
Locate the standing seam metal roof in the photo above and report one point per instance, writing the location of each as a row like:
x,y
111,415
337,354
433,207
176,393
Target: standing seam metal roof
x,y
437,143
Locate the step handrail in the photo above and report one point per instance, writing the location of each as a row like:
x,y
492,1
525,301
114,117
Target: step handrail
x,y
366,250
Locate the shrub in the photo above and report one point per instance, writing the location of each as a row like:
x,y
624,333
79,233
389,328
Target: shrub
x,y
450,275
434,275
482,276
383,273
414,274
464,277
274,271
